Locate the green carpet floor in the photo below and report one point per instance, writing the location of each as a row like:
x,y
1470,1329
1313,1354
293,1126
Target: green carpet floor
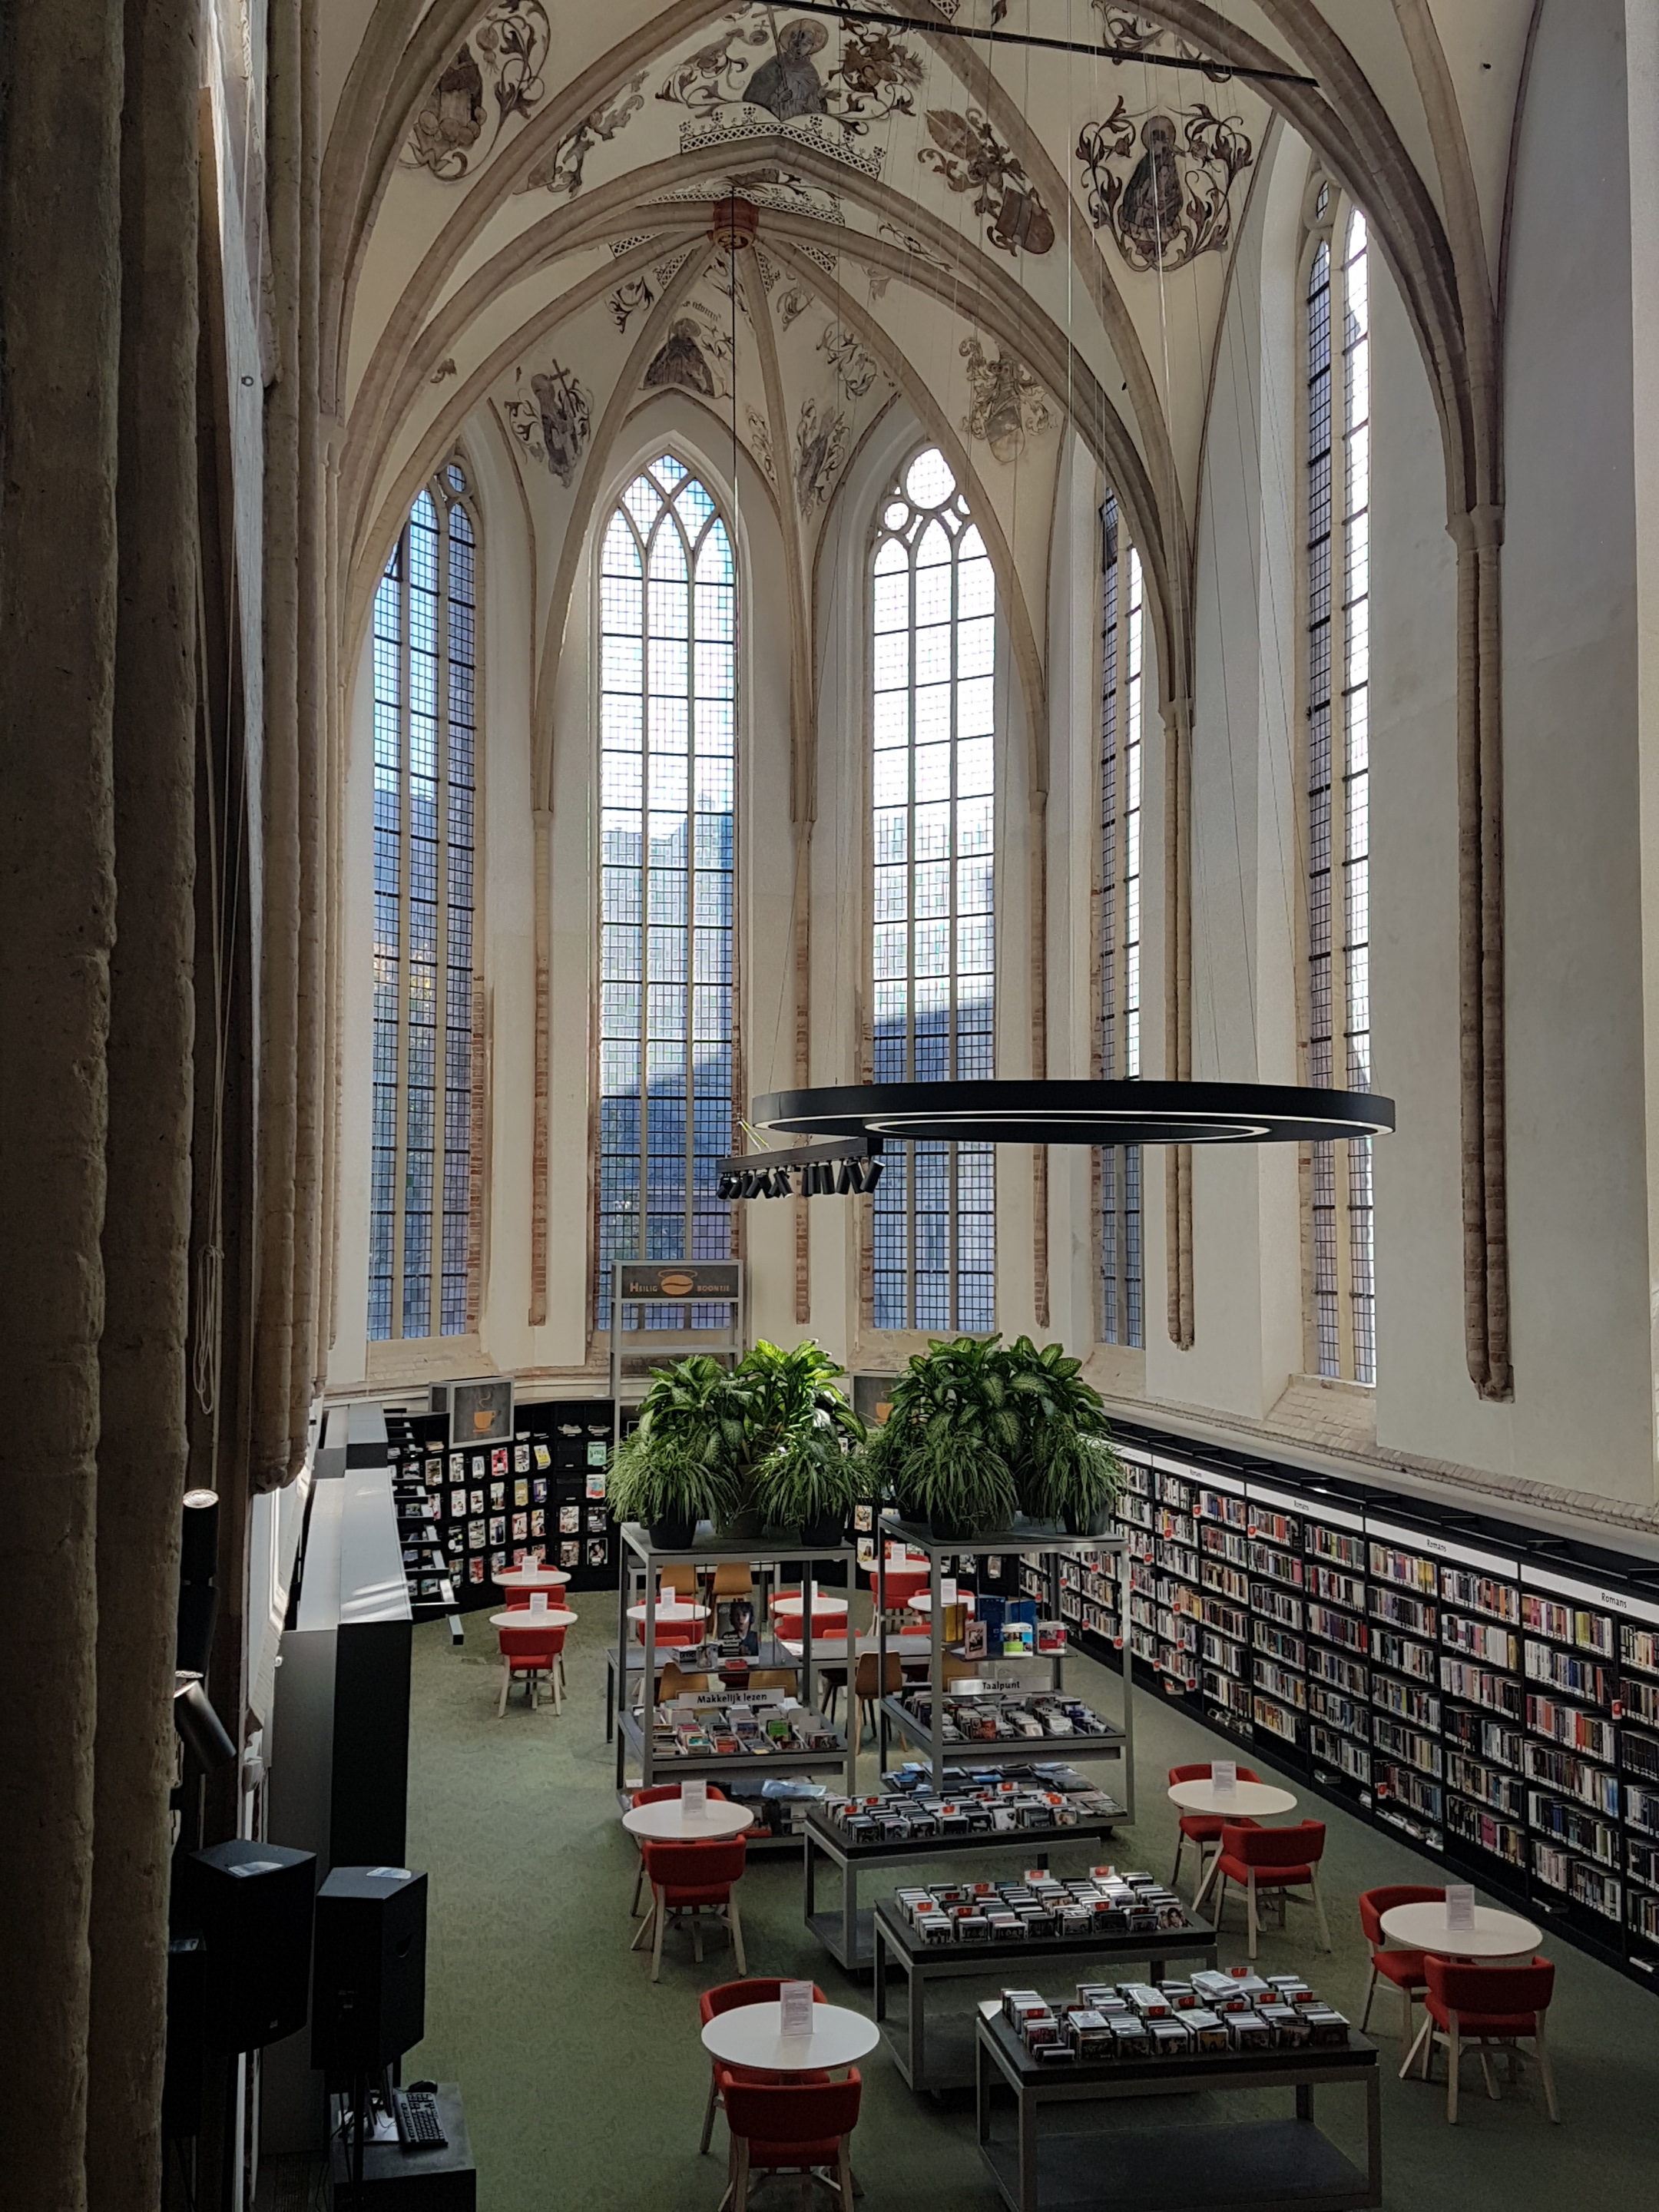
x,y
585,2085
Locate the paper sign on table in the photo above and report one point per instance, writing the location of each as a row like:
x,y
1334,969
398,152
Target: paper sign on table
x,y
947,1590
1460,1904
1224,1775
538,1600
794,2007
694,1797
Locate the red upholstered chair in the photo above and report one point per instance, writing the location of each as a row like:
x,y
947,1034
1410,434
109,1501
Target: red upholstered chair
x,y
693,1878
532,1618
527,1655
726,1998
790,2128
1490,2007
654,1795
1202,1828
1270,1858
1403,1968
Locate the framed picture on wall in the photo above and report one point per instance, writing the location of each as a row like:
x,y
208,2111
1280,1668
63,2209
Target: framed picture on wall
x,y
481,1413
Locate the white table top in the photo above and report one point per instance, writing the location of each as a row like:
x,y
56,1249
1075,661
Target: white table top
x,y
522,1617
675,1611
529,1578
1495,1935
923,1600
1254,1798
824,1600
749,2036
665,1821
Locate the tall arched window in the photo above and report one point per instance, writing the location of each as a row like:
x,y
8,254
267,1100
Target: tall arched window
x,y
667,741
1338,495
422,1269
933,1261
1122,710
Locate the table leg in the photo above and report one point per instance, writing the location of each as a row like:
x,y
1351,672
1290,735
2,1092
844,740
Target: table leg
x,y
1028,2151
1304,2100
809,1863
850,1916
981,2096
1374,2133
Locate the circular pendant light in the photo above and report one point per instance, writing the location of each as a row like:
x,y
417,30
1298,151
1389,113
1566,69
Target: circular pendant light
x,y
1069,1113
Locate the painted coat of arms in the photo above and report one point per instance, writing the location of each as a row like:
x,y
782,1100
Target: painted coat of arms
x,y
555,423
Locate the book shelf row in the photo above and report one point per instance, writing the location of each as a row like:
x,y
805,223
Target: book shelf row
x,y
1491,1691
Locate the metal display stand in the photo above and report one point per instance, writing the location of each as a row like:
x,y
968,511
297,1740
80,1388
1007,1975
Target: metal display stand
x,y
681,1284
939,2055
1021,1539
1187,2166
637,1736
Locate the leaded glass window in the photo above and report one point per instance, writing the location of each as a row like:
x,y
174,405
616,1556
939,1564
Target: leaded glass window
x,y
1122,687
667,768
934,599
1338,502
421,1245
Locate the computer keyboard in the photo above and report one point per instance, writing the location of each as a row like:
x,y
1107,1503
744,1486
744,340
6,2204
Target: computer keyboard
x,y
419,2128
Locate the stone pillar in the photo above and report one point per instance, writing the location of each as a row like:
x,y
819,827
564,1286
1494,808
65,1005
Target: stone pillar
x,y
142,1445
60,284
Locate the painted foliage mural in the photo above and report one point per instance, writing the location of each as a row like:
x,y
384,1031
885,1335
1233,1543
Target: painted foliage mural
x,y
1162,184
970,157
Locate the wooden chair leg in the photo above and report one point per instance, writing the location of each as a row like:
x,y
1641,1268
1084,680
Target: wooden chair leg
x,y
844,2175
1249,1909
709,2116
639,1884
1405,2016
1485,2051
645,1929
1371,1991
1180,1845
507,1684
737,1930
656,1948
1544,2073
1453,2055
1319,1908
558,1701
740,2179
696,1933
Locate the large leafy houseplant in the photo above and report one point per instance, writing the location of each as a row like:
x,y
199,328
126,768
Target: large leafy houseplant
x,y
944,1453
1064,1465
769,1440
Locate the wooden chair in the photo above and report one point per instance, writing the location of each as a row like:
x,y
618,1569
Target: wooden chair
x,y
870,1687
679,1579
791,2128
1270,1858
732,1579
1403,1968
1493,2007
694,1878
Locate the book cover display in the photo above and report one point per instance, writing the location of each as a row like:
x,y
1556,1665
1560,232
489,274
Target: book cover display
x,y
1490,1692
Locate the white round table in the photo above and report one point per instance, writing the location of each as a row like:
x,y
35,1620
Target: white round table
x,y
824,1600
525,1616
750,2035
1251,1798
672,1614
529,1578
923,1600
666,1822
1495,1935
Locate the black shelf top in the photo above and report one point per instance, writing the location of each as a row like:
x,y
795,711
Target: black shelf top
x,y
720,1551
1023,1749
826,1830
1020,1536
1154,1943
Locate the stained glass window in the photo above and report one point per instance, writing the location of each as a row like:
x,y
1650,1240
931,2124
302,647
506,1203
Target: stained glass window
x,y
934,597
667,768
1121,713
1338,428
420,1274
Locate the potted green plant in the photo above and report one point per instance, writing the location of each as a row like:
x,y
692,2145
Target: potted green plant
x,y
802,1440
943,1452
1064,1465
679,1466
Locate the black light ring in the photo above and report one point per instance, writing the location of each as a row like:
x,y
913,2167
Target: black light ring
x,y
1076,1112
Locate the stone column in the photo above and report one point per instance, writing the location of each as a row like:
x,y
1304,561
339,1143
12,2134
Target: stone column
x,y
143,1445
60,283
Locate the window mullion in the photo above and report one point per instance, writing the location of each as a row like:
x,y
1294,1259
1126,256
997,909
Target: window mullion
x,y
406,743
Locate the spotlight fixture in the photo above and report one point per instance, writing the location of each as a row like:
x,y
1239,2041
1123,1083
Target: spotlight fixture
x,y
842,1168
203,1732
843,1178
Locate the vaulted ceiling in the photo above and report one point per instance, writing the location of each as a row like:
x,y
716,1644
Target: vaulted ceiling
x,y
517,226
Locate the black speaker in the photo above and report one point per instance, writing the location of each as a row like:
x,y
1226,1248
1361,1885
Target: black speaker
x,y
181,2079
252,1903
370,1977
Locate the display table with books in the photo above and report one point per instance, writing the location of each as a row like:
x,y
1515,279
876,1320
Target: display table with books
x,y
1022,1809
1218,2032
981,1931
